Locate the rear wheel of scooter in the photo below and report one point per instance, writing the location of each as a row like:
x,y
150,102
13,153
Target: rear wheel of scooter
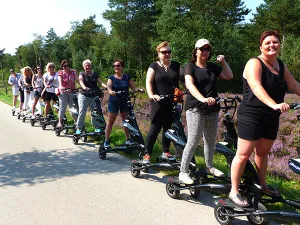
x,y
32,122
57,132
195,193
135,172
102,153
75,140
43,126
19,116
257,219
24,118
84,138
219,212
170,189
66,131
13,113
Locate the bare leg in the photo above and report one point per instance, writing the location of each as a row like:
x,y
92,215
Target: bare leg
x,y
15,97
33,105
244,150
124,116
111,120
262,150
47,107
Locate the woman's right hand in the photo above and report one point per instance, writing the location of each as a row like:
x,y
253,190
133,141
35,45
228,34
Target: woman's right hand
x,y
283,107
112,93
154,98
209,101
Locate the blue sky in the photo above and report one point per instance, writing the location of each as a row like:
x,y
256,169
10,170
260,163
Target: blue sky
x,y
20,20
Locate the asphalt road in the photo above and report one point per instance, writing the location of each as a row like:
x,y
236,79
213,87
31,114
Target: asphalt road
x,y
46,179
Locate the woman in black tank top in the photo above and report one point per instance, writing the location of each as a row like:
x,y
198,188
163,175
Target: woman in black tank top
x,y
265,81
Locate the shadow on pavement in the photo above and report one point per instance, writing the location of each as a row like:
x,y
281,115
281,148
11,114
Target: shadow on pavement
x,y
45,166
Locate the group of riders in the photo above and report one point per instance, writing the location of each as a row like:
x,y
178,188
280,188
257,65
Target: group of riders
x,y
265,82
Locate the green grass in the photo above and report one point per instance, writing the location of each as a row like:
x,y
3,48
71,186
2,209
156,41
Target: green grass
x,y
289,189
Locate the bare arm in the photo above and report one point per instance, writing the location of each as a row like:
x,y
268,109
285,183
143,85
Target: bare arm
x,y
226,73
149,85
81,82
101,83
32,81
132,85
109,87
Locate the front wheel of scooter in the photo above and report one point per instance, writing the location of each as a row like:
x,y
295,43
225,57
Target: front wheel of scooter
x,y
57,132
102,153
24,118
32,123
257,219
66,131
83,137
219,212
170,190
135,172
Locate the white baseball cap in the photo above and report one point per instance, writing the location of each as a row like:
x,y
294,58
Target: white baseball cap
x,y
201,42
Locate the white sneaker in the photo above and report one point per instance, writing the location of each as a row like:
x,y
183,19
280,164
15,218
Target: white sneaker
x,y
185,178
215,172
33,117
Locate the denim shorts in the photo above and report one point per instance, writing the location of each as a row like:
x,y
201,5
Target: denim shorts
x,y
37,94
116,106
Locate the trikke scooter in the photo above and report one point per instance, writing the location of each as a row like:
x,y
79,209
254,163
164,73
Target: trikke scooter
x,y
225,211
175,134
98,115
202,179
136,137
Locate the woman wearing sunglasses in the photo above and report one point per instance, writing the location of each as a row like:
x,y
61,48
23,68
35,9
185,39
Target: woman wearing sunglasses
x,y
66,81
162,78
117,102
202,119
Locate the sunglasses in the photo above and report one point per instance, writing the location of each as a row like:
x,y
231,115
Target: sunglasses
x,y
27,70
202,49
117,65
38,68
165,52
65,66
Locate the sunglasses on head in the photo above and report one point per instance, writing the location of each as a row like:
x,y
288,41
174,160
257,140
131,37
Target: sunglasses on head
x,y
117,65
166,52
202,49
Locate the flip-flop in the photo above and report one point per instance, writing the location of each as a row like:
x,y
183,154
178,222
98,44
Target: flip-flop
x,y
237,199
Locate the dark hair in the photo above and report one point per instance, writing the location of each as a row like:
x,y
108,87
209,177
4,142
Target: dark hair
x,y
194,56
120,61
63,63
36,68
269,33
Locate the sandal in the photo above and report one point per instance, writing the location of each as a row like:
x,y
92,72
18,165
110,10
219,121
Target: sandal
x,y
239,200
270,191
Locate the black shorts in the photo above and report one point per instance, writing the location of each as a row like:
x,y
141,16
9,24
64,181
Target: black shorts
x,y
37,94
254,124
50,96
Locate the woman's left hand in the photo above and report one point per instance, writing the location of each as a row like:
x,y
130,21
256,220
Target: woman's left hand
x,y
283,107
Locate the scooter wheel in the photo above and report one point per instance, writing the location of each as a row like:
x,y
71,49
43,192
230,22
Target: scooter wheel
x,y
102,153
219,212
257,219
32,123
170,190
57,132
19,116
75,140
66,131
135,172
194,193
43,127
83,137
24,118
13,113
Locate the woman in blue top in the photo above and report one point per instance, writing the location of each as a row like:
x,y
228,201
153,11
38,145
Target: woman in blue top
x,y
117,102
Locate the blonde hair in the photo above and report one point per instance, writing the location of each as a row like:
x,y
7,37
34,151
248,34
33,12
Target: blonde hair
x,y
161,45
87,61
24,70
49,64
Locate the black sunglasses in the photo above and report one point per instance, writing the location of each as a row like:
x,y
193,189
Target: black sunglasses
x,y
118,65
165,52
65,65
202,49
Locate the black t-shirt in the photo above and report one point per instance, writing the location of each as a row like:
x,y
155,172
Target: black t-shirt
x,y
90,81
164,83
205,80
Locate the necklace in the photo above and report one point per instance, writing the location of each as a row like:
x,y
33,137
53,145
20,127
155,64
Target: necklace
x,y
274,68
166,68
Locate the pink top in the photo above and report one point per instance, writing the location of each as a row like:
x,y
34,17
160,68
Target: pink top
x,y
68,79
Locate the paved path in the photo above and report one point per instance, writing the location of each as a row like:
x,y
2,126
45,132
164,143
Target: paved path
x,y
45,179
